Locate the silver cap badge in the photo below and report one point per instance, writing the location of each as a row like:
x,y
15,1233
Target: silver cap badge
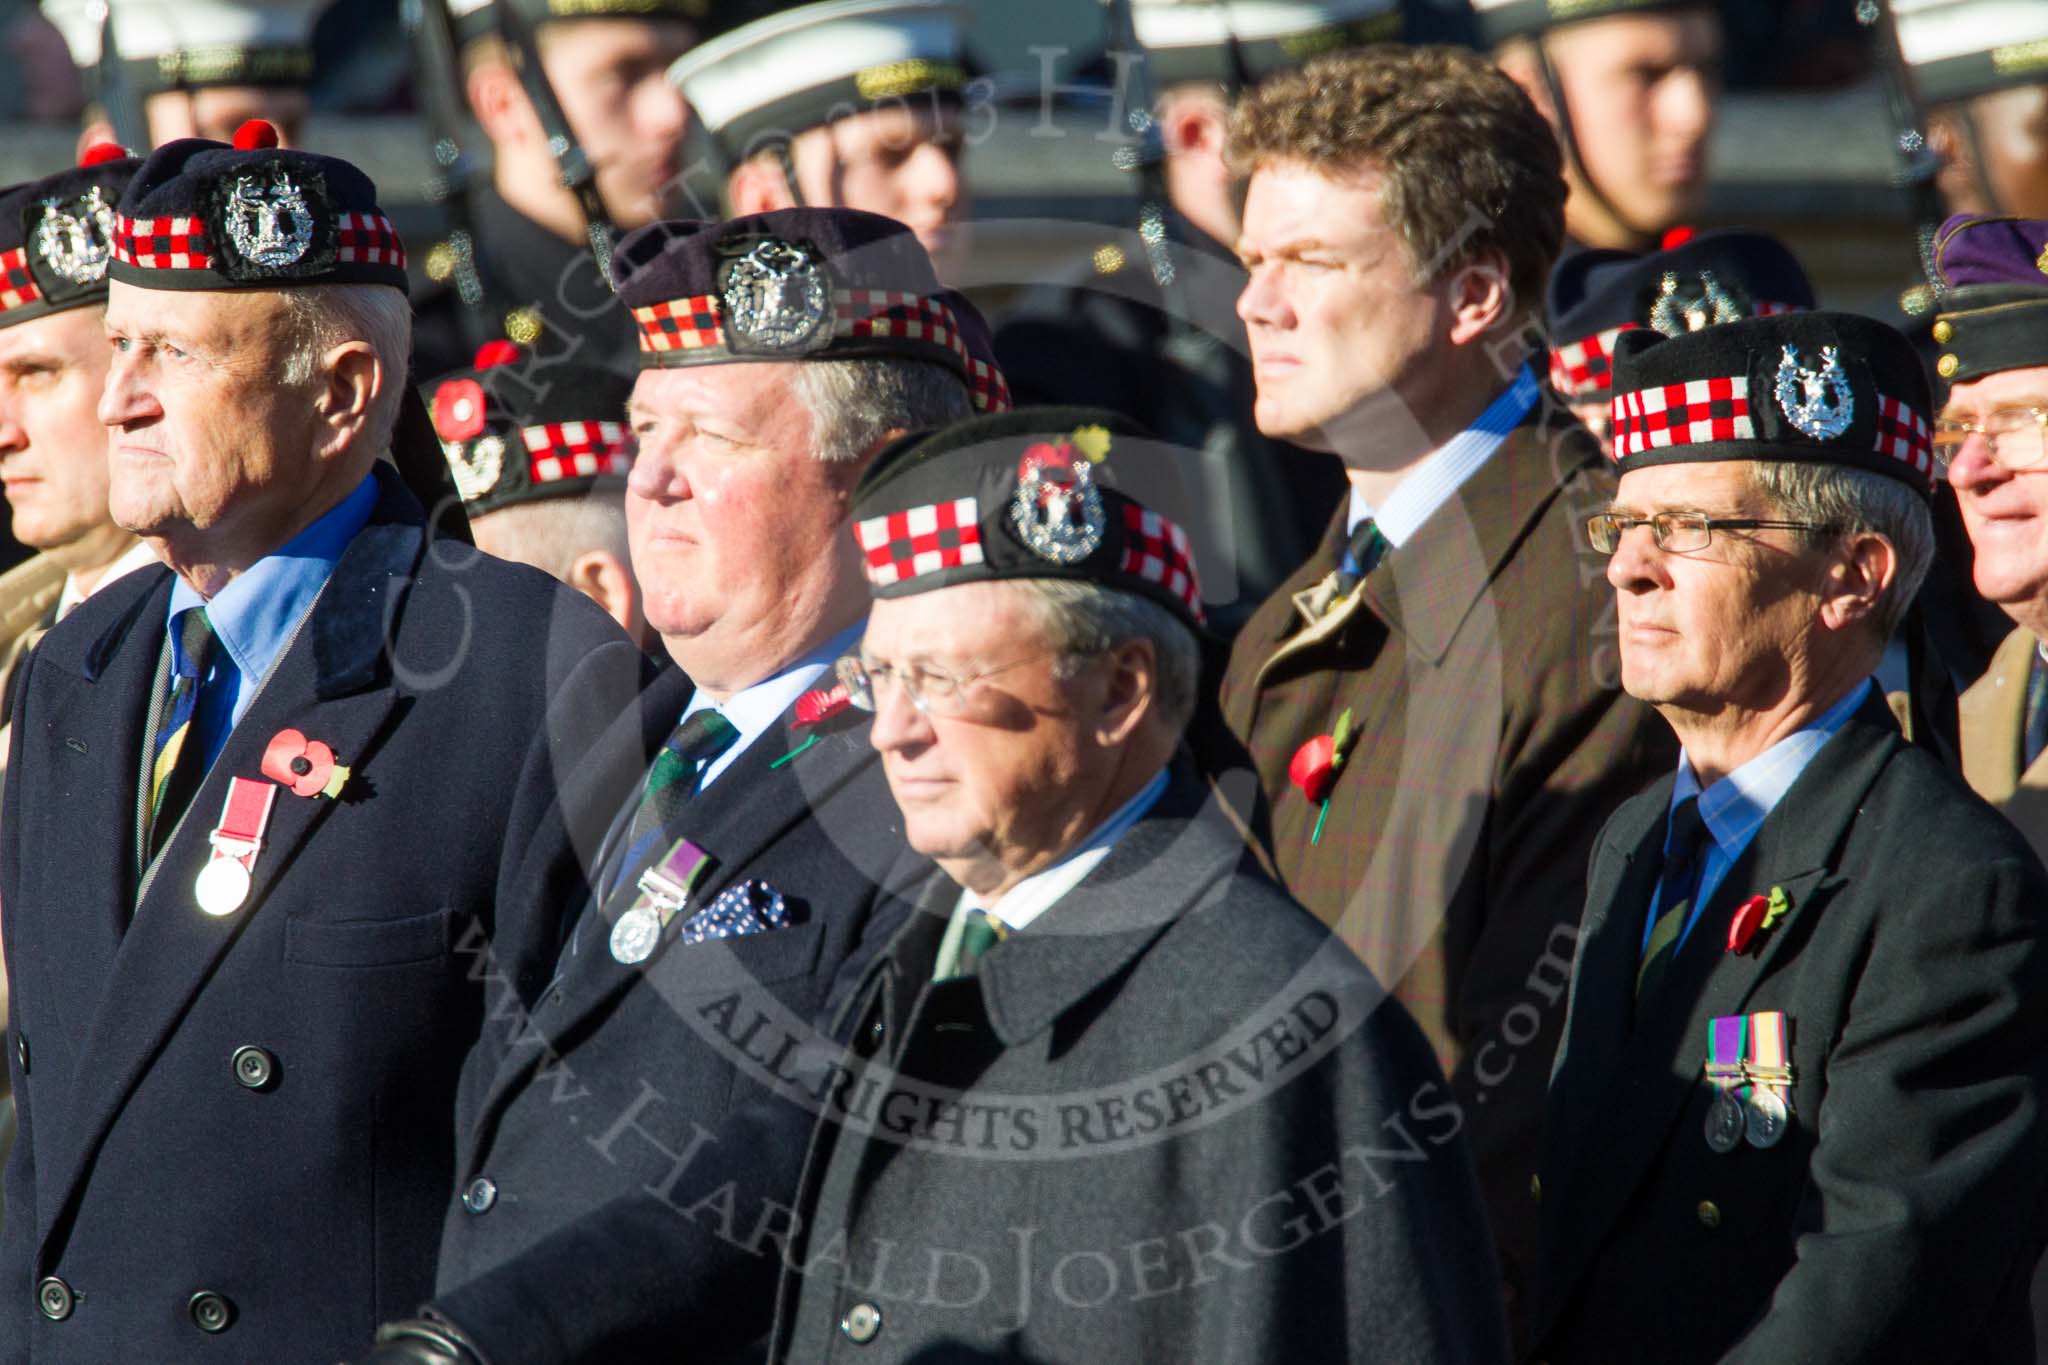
x,y
1057,509
269,224
77,239
1818,402
776,300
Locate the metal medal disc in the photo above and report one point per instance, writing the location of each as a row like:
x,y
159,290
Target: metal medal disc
x,y
1724,1123
1766,1119
222,886
776,300
635,934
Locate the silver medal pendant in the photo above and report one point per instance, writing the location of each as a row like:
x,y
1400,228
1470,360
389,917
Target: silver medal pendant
x,y
1766,1119
635,934
222,886
1724,1123
269,224
1817,402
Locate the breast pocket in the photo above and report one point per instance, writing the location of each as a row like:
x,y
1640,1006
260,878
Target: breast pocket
x,y
369,942
725,964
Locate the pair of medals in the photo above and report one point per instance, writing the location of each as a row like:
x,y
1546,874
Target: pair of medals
x,y
664,890
1748,1066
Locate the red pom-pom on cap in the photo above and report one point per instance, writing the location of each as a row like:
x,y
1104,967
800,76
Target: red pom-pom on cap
x,y
256,135
1676,238
493,353
101,152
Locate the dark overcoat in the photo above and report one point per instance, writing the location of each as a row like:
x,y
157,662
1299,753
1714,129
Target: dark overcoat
x,y
1172,1120
1479,661
1901,1215
626,1094
237,1132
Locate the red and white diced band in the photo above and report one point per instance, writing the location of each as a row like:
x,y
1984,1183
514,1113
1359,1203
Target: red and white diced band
x,y
577,450
17,286
920,540
1156,550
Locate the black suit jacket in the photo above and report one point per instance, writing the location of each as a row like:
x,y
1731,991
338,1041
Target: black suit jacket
x,y
605,1117
1902,1213
149,1170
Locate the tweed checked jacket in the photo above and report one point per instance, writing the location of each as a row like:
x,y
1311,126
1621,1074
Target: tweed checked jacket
x,y
1479,663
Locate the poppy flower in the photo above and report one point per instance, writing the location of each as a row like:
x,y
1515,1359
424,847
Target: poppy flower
x,y
459,409
306,766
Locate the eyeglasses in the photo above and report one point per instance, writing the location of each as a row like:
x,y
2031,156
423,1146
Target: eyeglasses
x,y
1680,532
2017,438
932,691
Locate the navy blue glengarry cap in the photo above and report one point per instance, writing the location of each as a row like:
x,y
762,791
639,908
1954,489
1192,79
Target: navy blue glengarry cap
x,y
1022,494
1696,281
798,284
1833,388
201,214
57,236
515,432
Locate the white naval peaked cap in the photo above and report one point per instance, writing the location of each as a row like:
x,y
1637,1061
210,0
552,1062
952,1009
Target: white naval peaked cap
x,y
1961,48
189,44
1223,40
1503,19
474,18
801,67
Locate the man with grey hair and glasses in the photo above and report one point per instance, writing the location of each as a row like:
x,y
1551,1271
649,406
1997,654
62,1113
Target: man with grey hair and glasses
x,y
1802,1077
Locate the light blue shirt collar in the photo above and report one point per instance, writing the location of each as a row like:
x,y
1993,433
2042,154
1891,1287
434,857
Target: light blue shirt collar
x,y
1735,807
1430,484
256,614
754,710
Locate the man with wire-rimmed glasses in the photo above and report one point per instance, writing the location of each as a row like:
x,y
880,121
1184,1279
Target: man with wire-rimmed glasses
x,y
1807,1044
1993,437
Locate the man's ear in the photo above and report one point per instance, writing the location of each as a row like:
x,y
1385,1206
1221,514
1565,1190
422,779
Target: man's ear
x,y
1480,295
500,105
1863,570
350,378
605,580
1133,691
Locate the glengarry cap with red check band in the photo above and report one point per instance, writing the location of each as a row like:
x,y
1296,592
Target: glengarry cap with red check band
x,y
517,432
57,236
1024,494
799,284
1696,280
1834,388
201,214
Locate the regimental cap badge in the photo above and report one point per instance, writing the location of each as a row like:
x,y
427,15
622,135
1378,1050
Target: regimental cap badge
x,y
1818,402
1057,508
775,297
1704,301
515,429
57,235
76,238
268,218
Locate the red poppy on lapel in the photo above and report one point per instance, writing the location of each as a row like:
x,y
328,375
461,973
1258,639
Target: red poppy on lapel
x,y
306,766
1748,919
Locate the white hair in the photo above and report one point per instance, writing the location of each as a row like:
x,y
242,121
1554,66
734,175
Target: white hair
x,y
854,404
321,318
1855,502
1085,619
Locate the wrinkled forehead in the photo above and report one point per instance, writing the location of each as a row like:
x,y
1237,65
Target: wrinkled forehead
x,y
238,313
964,623
2018,388
1704,486
739,390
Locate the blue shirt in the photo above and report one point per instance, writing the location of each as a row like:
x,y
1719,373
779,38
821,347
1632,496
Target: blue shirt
x,y
256,615
1430,484
1734,808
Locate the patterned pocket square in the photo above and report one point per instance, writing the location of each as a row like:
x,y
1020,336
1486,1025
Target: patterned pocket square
x,y
750,907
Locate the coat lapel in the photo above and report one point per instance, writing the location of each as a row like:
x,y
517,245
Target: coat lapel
x,y
1991,715
332,683
1652,1080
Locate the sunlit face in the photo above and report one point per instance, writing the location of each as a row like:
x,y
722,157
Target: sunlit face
x,y
2004,510
208,447
733,522
2012,142
1337,323
899,160
218,111
1712,629
53,448
610,77
998,785
1641,90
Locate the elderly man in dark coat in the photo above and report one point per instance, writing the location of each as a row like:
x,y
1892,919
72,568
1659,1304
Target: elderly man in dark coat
x,y
1798,1111
257,800
1112,1096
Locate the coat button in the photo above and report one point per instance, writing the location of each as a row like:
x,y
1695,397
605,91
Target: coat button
x,y
1710,1214
55,1298
862,1323
254,1067
211,1312
480,1195
1536,1188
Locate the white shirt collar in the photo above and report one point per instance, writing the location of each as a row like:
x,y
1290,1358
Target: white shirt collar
x,y
136,556
1040,891
1430,484
754,710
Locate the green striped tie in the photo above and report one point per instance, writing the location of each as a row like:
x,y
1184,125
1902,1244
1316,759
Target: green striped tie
x,y
172,782
1675,892
981,933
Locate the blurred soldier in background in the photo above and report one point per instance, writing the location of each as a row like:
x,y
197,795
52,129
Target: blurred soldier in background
x,y
1630,86
843,105
1980,69
553,83
164,69
541,463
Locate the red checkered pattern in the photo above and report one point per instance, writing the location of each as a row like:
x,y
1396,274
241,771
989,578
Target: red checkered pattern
x,y
693,324
369,239
1903,434
1586,367
17,286
1156,550
578,450
1697,411
680,325
922,540
162,243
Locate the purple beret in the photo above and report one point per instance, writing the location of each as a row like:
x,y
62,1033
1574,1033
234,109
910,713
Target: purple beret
x,y
1972,250
1993,277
